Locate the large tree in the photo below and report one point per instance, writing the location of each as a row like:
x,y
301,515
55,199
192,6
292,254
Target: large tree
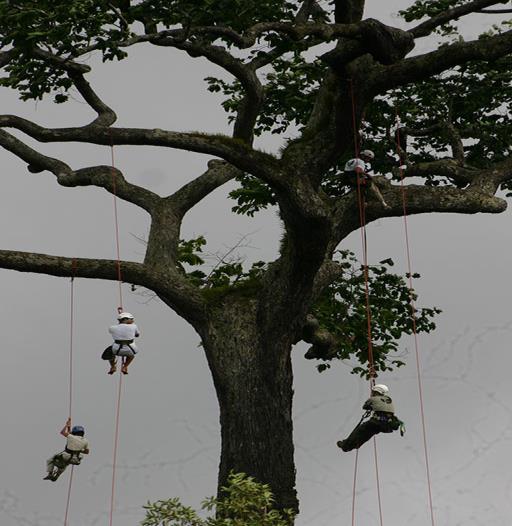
x,y
313,68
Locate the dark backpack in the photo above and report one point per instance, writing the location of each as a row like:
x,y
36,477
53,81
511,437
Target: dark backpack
x,y
107,354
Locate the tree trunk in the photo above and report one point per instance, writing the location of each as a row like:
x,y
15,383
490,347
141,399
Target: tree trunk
x,y
253,379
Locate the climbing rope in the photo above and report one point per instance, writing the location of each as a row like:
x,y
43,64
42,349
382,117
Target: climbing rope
x,y
354,486
413,319
70,374
116,228
69,496
119,310
116,441
364,247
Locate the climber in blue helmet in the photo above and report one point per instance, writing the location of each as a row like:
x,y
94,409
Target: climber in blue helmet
x,y
76,444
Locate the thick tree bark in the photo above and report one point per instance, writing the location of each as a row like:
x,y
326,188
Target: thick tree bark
x,y
253,379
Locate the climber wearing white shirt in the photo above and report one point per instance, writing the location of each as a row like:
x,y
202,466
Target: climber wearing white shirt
x,y
123,334
357,174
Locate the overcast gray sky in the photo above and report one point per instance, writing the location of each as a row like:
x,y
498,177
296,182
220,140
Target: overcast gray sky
x,y
169,442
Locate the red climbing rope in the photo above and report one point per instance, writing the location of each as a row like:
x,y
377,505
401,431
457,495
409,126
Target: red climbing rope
x,y
364,246
70,408
69,496
116,226
377,479
116,440
413,318
119,310
364,242
71,332
354,485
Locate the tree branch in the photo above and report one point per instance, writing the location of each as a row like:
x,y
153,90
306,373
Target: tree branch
x,y
106,116
299,202
495,11
112,180
477,197
324,345
167,215
424,29
455,140
502,172
216,54
443,167
386,44
424,66
37,162
234,151
68,267
179,39
160,273
328,272
169,285
61,62
295,31
101,176
310,8
249,108
347,11
422,199
188,196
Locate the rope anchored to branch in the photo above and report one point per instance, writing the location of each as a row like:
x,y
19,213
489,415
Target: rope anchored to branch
x,y
364,247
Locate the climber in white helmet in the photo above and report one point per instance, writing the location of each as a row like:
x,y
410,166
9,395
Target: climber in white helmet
x,y
357,174
124,334
381,412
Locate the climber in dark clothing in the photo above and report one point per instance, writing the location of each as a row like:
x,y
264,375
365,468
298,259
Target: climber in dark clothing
x,y
379,407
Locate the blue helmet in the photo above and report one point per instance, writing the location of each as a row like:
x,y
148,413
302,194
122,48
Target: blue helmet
x,y
78,430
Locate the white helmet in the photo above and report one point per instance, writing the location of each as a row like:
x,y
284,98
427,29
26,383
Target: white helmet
x,y
368,153
125,316
381,389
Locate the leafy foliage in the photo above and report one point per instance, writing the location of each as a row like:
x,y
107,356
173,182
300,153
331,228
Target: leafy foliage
x,y
252,196
245,502
228,272
290,88
342,307
237,14
71,28
342,311
476,99
429,8
62,27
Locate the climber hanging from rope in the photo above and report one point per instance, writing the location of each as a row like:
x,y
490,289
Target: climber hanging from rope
x,y
381,419
76,444
357,173
124,334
